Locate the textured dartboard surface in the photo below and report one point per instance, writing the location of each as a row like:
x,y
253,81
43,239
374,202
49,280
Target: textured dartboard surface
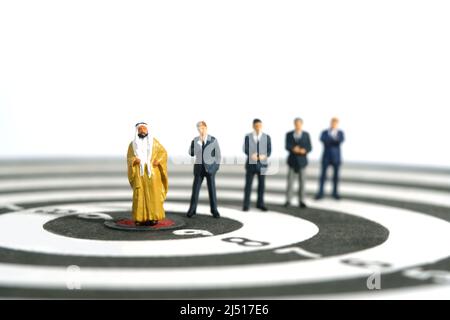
x,y
388,237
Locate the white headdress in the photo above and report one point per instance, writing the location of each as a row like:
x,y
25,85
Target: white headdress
x,y
143,148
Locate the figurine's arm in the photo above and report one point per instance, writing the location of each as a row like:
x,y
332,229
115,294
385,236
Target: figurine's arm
x,y
339,139
160,154
218,154
308,146
246,146
130,164
289,145
191,149
161,162
327,141
342,137
323,137
269,146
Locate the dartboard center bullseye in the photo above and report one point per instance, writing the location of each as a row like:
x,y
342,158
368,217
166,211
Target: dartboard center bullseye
x,y
115,226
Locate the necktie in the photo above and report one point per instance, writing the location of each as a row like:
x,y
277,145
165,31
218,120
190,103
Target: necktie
x,y
203,149
257,147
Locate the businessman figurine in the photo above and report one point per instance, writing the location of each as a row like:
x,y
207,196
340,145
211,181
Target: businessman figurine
x,y
257,147
332,139
298,144
206,150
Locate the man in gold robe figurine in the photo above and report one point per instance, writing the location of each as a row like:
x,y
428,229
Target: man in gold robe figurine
x,y
147,174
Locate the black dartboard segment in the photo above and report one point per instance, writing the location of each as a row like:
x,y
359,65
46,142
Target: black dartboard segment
x,y
389,231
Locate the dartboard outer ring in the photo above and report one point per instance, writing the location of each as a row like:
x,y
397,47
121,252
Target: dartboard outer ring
x,y
414,276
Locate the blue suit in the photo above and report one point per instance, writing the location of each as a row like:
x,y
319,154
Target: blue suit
x,y
331,156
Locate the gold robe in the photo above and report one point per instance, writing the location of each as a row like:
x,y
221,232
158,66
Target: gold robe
x,y
148,193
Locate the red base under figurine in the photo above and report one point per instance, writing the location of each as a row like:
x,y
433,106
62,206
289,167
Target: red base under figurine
x,y
129,225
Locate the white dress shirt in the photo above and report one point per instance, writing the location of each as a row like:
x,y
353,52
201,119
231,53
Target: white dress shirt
x,y
298,135
333,133
257,137
200,142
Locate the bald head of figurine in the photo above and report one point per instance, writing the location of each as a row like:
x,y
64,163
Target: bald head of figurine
x,y
334,123
202,128
142,131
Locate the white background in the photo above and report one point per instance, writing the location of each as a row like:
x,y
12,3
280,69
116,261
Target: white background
x,y
76,75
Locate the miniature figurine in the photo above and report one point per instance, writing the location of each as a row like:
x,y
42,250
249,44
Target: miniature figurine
x,y
298,143
332,139
147,174
206,150
257,147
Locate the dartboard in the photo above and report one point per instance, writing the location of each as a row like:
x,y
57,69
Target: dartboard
x,y
388,236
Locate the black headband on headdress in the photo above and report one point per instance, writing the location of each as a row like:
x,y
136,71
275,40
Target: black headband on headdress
x,y
139,123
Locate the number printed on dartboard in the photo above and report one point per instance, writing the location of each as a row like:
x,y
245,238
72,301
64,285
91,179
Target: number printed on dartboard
x,y
359,245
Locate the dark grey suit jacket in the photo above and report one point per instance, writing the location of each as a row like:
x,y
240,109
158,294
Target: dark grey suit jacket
x,y
207,156
297,161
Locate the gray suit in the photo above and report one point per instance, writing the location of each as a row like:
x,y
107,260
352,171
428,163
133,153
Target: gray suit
x,y
207,162
297,164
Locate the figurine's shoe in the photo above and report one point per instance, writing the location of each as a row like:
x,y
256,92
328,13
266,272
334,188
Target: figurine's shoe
x,y
303,205
245,208
139,224
262,208
190,214
287,204
319,197
336,196
151,223
216,214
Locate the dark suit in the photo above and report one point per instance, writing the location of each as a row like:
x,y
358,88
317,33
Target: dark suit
x,y
331,156
297,163
261,147
207,163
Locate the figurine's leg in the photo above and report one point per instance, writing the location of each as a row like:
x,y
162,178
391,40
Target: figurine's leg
x,y
211,181
261,188
247,189
290,182
323,177
198,179
335,180
301,186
